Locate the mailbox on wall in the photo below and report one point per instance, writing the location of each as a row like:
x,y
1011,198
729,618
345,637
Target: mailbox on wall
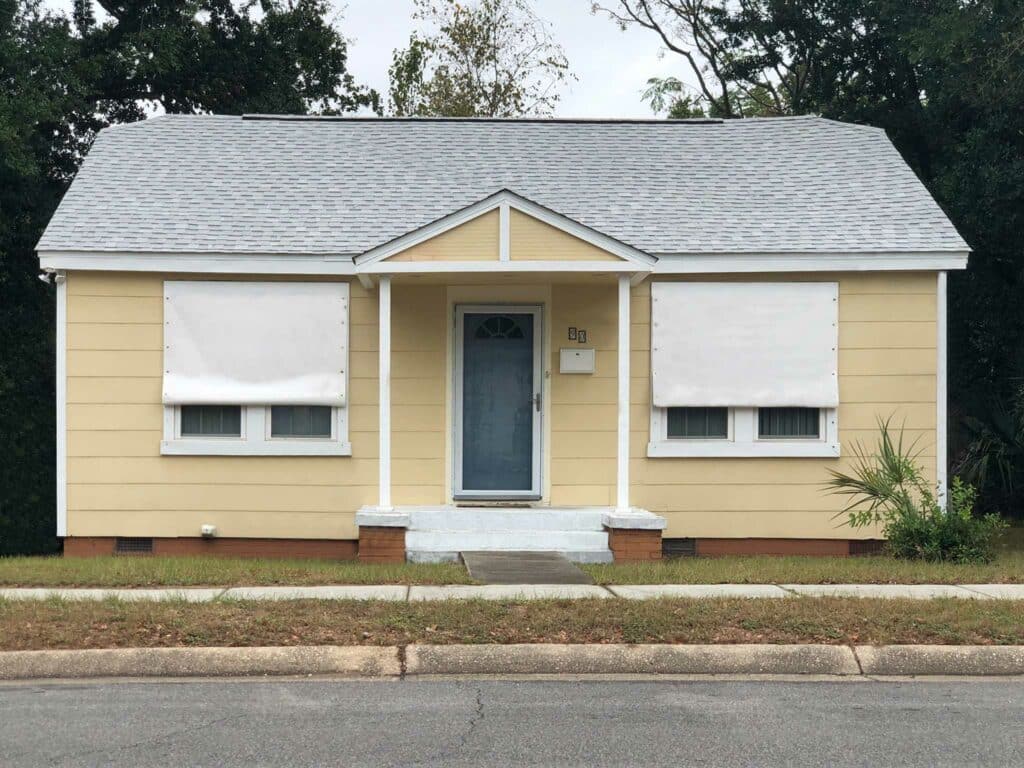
x,y
576,360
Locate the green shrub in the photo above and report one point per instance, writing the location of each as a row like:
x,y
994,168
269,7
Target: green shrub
x,y
887,487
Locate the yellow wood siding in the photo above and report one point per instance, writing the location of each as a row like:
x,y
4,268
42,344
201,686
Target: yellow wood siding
x,y
119,484
534,240
476,240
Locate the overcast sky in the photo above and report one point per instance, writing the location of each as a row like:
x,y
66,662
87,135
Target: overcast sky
x,y
611,66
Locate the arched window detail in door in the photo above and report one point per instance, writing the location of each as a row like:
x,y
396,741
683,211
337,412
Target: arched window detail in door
x,y
499,327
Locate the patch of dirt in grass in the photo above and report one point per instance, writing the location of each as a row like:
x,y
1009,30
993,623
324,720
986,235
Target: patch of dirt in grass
x,y
111,624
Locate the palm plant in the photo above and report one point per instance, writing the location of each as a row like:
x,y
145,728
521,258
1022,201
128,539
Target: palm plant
x,y
888,486
994,457
884,482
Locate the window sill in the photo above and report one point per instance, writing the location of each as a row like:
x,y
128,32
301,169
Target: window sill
x,y
727,449
242,448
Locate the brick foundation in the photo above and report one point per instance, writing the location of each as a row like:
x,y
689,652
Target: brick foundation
x,y
633,545
811,547
381,544
318,549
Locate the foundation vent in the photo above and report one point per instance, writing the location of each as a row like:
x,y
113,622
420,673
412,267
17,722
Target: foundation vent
x,y
133,545
678,547
865,547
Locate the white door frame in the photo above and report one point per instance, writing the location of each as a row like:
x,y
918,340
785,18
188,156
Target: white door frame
x,y
461,310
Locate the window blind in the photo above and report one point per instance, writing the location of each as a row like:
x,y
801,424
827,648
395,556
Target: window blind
x,y
255,343
744,344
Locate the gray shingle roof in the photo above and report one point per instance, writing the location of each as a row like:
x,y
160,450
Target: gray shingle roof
x,y
291,186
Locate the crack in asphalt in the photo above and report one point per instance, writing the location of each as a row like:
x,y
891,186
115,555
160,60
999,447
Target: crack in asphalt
x,y
476,718
152,741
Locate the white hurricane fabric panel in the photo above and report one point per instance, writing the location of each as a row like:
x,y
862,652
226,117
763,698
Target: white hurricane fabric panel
x,y
254,343
744,344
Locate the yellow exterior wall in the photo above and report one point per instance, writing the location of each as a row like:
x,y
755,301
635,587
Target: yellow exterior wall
x,y
119,484
476,240
583,412
534,240
887,366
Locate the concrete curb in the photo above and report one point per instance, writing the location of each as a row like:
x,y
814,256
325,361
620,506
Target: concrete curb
x,y
538,659
355,661
630,659
927,660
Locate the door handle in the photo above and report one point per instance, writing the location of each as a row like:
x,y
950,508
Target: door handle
x,y
536,401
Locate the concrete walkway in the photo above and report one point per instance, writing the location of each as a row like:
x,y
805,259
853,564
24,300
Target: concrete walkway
x,y
402,593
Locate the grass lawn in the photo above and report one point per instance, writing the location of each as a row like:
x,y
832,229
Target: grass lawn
x,y
27,625
1007,568
210,571
215,571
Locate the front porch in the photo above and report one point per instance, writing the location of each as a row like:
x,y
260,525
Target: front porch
x,y
504,352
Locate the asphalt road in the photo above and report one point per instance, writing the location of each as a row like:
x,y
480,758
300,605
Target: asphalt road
x,y
505,722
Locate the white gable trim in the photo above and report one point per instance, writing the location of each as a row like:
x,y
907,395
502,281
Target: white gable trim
x,y
504,201
199,263
482,267
705,263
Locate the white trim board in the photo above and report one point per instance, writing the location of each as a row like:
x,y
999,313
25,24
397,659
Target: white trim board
x,y
941,426
711,263
343,265
199,263
491,267
62,404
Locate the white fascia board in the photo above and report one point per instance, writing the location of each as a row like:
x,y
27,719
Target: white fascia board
x,y
689,264
201,263
502,200
497,267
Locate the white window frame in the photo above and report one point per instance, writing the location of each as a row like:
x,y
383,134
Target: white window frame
x,y
743,440
255,439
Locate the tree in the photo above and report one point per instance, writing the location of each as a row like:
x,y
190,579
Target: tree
x,y
945,79
492,58
64,78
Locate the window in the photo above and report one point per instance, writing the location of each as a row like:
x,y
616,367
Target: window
x,y
743,432
211,421
744,369
300,421
247,430
788,423
698,423
255,368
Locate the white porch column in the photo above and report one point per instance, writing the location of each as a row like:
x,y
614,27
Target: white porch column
x,y
384,353
622,474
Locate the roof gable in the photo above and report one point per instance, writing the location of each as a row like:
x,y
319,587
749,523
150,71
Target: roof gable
x,y
506,227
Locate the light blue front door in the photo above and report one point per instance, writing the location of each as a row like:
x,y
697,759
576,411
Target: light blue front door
x,y
498,405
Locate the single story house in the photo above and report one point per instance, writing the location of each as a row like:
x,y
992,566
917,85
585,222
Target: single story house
x,y
407,338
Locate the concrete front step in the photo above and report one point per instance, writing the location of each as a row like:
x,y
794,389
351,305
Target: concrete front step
x,y
444,545
505,540
506,519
